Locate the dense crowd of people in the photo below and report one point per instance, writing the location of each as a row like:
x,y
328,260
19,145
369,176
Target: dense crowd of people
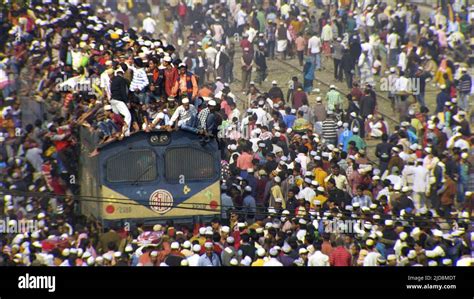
x,y
298,187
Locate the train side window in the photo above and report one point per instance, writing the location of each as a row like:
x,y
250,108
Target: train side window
x,y
191,163
137,165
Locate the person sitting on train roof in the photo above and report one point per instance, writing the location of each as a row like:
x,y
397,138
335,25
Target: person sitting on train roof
x,y
113,126
185,116
161,121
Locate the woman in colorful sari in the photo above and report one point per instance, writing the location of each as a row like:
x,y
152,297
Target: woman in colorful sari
x,y
442,70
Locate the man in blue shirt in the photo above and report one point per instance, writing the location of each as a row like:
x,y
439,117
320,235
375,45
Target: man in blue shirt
x,y
226,203
290,117
249,205
345,136
362,199
442,98
209,258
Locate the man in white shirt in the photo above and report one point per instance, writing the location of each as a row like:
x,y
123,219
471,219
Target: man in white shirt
x,y
184,114
219,85
370,21
326,33
307,192
318,259
314,50
211,53
251,33
262,118
193,260
402,59
161,120
235,112
273,261
105,78
457,141
392,41
241,19
371,258
421,184
149,24
303,160
408,173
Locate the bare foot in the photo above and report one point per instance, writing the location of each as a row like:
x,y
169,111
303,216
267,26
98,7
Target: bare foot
x,y
94,153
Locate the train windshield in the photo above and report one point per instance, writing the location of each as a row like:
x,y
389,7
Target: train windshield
x,y
138,165
189,164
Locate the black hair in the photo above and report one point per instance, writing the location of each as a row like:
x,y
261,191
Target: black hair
x,y
216,237
111,246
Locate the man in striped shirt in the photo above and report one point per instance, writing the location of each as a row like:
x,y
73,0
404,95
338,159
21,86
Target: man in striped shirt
x,y
139,81
329,129
360,198
464,87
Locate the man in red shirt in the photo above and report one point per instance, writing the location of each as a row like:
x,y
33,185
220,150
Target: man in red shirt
x,y
299,98
244,161
117,120
326,247
340,256
244,42
356,92
170,76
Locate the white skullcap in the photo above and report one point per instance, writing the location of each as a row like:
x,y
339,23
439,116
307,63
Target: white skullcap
x,y
432,263
403,236
261,252
175,245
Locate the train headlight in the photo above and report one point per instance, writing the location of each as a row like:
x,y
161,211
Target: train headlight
x,y
164,138
159,139
155,139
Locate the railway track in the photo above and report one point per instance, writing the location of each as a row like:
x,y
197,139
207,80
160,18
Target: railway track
x,y
392,120
276,71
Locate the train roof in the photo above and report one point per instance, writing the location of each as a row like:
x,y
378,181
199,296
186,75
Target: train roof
x,y
91,140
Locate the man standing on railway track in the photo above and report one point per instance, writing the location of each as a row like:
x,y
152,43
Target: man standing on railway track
x,y
261,64
329,129
333,99
464,87
314,50
246,67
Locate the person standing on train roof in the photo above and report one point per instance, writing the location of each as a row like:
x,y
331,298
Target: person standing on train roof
x,y
119,98
186,84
